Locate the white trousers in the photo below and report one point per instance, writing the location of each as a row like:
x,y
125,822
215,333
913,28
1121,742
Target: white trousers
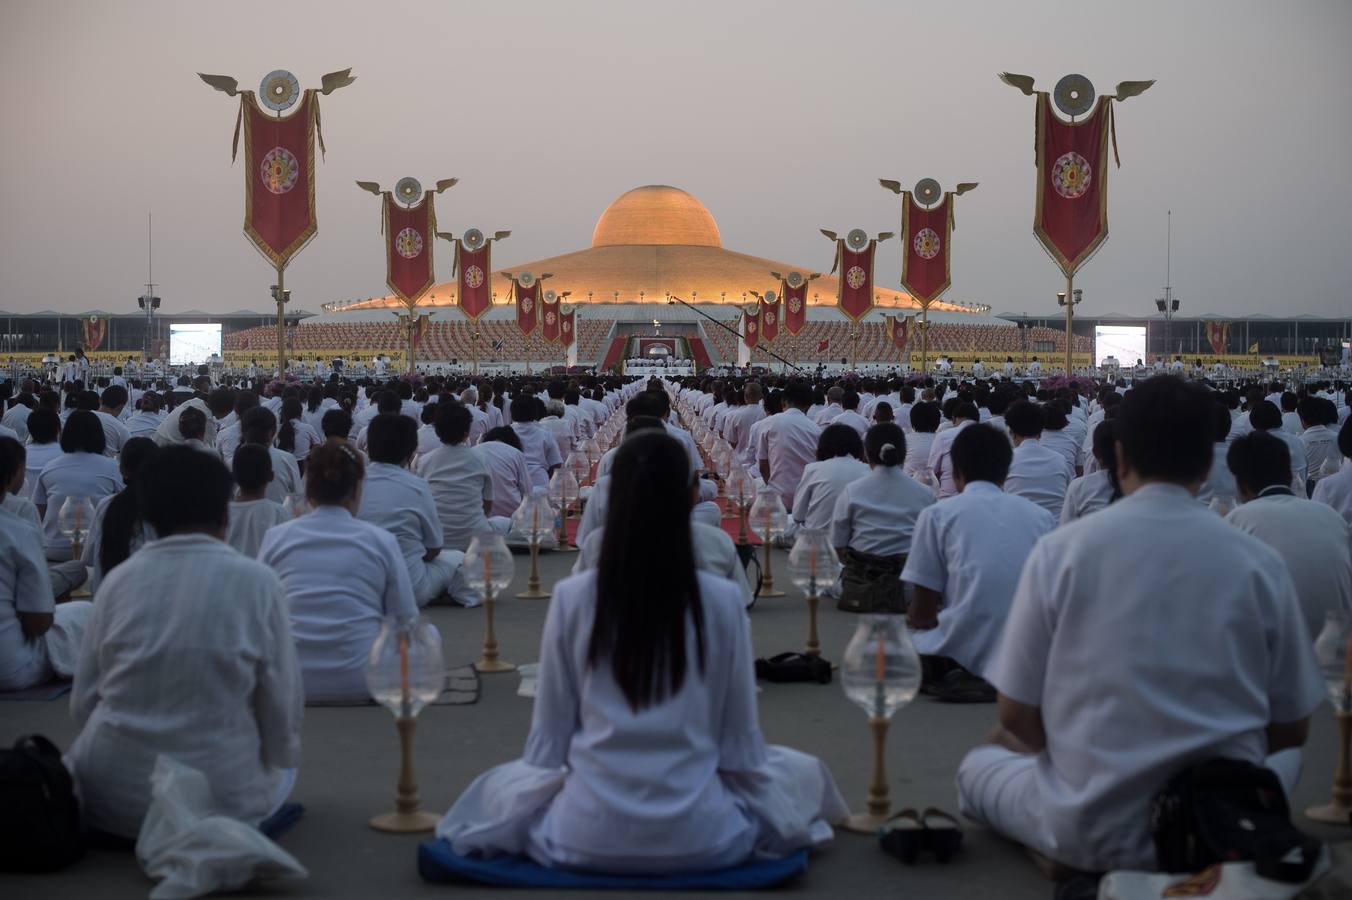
x,y
998,788
432,579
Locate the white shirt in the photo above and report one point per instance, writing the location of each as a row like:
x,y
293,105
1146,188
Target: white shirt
x,y
285,476
1039,474
645,786
789,442
89,475
38,457
16,419
854,420
24,588
971,549
1321,445
459,486
1086,494
918,445
115,434
542,451
1101,639
1220,481
1312,540
828,414
187,653
509,472
249,519
876,514
342,576
1336,491
306,439
400,502
144,424
820,488
1066,442
938,458
737,431
714,551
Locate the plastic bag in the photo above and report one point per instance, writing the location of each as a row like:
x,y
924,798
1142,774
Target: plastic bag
x,y
1228,881
194,850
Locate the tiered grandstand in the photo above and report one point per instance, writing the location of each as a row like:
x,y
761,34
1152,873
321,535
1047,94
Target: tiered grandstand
x,y
604,330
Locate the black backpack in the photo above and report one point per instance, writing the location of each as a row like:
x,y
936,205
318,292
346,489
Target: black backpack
x,y
1225,810
39,816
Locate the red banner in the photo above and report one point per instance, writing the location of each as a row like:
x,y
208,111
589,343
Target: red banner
x,y
279,176
408,246
1071,219
549,320
823,346
567,326
899,330
474,265
527,305
94,329
420,324
751,326
795,306
769,316
925,236
856,279
1218,335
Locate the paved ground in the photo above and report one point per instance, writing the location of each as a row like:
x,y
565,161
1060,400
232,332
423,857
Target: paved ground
x,y
351,763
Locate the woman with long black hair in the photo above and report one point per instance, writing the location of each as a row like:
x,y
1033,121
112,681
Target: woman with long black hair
x,y
645,754
295,436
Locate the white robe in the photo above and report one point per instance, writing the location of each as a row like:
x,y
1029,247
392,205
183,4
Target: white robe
x,y
342,576
187,654
686,785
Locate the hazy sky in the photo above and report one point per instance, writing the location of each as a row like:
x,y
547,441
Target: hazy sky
x,y
779,116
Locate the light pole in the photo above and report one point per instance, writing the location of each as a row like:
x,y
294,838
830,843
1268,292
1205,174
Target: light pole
x,y
1168,304
1076,296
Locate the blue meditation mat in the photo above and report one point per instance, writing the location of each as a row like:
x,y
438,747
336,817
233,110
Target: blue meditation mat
x,y
437,862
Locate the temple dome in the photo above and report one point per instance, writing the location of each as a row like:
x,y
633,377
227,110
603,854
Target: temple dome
x,y
654,215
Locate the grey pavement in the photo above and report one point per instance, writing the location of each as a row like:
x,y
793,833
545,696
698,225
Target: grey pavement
x,y
351,760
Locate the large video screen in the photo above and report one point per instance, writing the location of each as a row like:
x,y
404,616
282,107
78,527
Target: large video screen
x,y
1125,342
192,344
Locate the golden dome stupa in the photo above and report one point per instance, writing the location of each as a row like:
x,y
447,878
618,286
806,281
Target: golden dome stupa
x,y
651,241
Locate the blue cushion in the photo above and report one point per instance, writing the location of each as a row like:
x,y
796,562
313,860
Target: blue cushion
x,y
438,862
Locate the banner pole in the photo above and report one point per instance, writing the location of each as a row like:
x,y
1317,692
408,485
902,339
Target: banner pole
x,y
924,339
281,320
1070,316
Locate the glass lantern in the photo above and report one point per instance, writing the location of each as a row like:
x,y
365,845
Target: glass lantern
x,y
404,671
532,522
488,569
813,567
592,450
768,519
1332,650
880,674
73,519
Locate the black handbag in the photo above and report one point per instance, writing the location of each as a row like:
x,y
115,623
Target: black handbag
x,y
1225,810
39,816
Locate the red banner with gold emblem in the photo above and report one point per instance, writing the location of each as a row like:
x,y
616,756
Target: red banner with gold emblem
x,y
527,305
769,316
856,279
420,324
279,176
1218,335
408,246
1071,219
549,320
751,325
925,236
899,330
795,306
567,326
473,267
94,329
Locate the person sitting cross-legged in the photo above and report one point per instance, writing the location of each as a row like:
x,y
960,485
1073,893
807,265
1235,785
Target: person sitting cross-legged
x,y
965,560
1124,661
188,654
401,503
645,754
1310,537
